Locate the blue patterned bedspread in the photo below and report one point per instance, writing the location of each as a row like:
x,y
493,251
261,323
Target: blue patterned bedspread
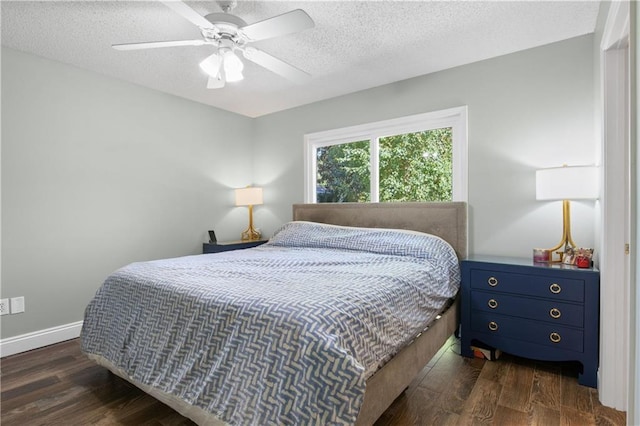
x,y
282,334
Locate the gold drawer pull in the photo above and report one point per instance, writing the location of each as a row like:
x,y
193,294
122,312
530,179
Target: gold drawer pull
x,y
493,326
555,288
555,313
493,281
554,337
493,303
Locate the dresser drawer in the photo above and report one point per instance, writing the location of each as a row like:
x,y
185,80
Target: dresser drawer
x,y
537,332
531,285
536,309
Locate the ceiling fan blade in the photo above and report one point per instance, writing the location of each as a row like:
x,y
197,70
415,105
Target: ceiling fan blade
x,y
287,23
186,12
215,82
276,65
156,44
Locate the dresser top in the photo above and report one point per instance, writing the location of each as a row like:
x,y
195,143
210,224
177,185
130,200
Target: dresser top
x,y
521,261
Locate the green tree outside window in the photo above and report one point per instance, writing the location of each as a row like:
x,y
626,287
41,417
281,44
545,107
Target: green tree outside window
x,y
343,173
413,167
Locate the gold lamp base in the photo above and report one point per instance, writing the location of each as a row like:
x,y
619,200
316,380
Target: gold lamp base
x,y
250,234
566,244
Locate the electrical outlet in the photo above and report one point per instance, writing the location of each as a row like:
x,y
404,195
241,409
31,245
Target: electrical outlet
x,y
4,306
17,305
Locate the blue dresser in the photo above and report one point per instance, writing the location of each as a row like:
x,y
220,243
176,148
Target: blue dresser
x,y
541,311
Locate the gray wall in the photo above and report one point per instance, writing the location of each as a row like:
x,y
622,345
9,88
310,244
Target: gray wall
x,y
527,110
98,173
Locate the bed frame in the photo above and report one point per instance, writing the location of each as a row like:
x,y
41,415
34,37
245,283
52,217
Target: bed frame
x,y
446,220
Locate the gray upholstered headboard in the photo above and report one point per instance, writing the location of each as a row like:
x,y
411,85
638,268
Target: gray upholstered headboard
x,y
447,220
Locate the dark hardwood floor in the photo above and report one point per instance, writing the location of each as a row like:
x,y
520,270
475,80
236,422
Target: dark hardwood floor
x,y
58,385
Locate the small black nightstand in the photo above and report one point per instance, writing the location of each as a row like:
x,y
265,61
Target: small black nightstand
x,y
230,245
540,311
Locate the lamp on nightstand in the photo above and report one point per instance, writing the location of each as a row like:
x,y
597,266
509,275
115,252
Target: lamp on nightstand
x,y
249,196
566,183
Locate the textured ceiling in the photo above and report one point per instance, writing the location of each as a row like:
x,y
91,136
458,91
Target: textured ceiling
x,y
355,45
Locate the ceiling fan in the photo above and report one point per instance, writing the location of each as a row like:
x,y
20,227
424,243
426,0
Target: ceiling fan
x,y
230,34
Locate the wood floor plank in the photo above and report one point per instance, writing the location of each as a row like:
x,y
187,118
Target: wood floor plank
x,y
573,395
546,386
422,408
516,389
36,372
426,409
440,375
27,389
38,356
575,417
44,404
451,390
144,409
92,411
480,407
541,415
496,370
454,397
440,372
510,417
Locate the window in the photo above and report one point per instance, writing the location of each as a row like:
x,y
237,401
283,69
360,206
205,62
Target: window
x,y
417,158
343,172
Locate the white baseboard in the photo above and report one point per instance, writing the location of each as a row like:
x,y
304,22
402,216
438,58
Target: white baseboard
x,y
40,338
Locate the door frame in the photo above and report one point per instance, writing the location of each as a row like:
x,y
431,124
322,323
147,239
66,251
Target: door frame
x,y
616,269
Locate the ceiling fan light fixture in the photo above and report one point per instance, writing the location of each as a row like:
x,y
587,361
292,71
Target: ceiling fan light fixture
x,y
211,65
233,66
229,33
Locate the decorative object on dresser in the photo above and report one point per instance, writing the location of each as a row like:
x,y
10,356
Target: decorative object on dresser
x,y
546,312
229,246
566,183
249,196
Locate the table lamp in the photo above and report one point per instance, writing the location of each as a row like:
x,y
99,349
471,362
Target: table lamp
x,y
566,183
249,196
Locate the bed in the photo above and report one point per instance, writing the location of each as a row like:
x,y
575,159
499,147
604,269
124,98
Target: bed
x,y
302,330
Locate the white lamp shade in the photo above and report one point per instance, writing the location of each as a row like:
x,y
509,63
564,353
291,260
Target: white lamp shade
x,y
211,65
568,183
250,196
233,67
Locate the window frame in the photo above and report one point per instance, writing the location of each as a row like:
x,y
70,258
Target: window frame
x,y
456,118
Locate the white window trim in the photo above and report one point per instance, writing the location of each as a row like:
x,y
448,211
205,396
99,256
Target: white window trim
x,y
456,118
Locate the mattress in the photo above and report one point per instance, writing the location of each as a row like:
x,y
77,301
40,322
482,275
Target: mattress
x,y
285,333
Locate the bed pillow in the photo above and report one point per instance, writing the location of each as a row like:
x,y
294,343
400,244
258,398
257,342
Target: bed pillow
x,y
411,244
